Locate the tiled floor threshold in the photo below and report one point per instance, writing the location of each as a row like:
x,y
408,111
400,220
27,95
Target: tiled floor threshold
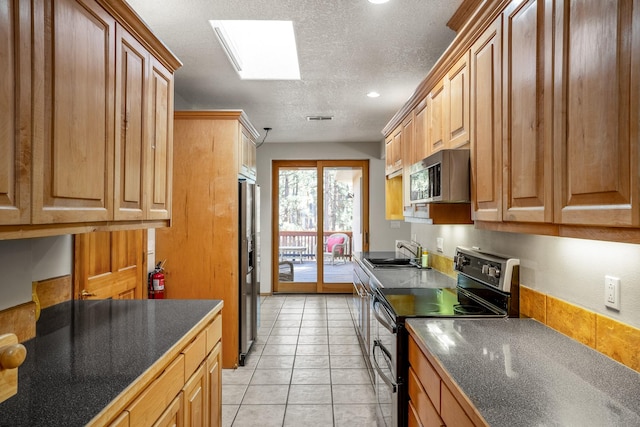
x,y
306,368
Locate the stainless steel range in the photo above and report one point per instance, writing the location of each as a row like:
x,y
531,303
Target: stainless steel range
x,y
487,286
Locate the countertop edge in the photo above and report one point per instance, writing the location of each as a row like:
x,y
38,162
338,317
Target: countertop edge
x,y
116,406
448,380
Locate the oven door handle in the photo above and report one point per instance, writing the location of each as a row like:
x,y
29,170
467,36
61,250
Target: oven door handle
x,y
387,357
383,318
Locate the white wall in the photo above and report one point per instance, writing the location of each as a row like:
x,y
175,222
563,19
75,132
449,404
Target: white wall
x,y
570,269
27,260
382,236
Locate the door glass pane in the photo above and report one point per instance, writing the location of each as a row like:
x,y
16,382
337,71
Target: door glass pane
x,y
298,225
342,228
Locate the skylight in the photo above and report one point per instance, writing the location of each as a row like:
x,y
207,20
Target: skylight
x,y
260,50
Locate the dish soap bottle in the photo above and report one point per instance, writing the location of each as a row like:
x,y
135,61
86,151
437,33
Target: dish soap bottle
x,y
425,259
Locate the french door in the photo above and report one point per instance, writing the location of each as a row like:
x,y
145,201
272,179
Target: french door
x,y
320,214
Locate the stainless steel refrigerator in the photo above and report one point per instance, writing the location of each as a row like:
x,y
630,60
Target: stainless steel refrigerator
x,y
248,277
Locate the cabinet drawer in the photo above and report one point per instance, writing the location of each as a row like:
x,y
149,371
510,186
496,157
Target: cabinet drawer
x,y
194,354
214,333
147,407
425,373
426,412
451,411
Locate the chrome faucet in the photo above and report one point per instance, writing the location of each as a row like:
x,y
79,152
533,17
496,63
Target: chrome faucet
x,y
418,252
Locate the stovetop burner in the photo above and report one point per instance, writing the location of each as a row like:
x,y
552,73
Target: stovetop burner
x,y
468,309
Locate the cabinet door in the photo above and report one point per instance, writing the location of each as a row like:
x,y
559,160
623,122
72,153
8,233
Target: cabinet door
x,y
172,415
437,120
421,134
195,399
486,122
214,386
396,149
388,155
596,137
132,67
247,155
408,152
110,264
160,147
74,47
15,68
457,87
527,180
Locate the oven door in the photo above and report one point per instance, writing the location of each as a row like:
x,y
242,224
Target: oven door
x,y
383,361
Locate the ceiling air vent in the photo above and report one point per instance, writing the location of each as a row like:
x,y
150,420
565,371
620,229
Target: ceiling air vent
x,y
318,118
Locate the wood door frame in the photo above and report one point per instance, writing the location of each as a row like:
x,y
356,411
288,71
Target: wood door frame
x,y
319,286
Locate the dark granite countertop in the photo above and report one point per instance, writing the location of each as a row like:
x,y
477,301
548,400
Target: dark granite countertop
x,y
409,277
519,372
87,352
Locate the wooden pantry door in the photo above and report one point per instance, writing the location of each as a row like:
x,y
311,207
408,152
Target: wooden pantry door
x,y
110,265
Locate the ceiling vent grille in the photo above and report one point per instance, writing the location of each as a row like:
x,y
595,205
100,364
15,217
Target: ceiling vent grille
x,y
319,118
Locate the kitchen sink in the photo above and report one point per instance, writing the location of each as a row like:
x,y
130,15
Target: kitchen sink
x,y
390,262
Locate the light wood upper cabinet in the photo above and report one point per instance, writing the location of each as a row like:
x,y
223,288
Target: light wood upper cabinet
x,y
486,124
160,148
73,112
527,154
393,151
247,157
421,131
408,137
132,92
596,137
14,112
86,116
437,118
457,93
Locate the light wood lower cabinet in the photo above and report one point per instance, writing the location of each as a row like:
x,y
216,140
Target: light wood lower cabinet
x,y
434,400
186,393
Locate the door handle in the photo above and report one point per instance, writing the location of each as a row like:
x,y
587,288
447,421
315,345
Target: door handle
x,y
84,294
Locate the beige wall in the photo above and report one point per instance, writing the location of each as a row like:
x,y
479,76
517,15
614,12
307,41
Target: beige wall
x,y
26,260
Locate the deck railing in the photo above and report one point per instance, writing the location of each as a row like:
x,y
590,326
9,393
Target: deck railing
x,y
308,240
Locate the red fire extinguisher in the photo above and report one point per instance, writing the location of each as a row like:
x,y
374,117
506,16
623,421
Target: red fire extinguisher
x,y
156,282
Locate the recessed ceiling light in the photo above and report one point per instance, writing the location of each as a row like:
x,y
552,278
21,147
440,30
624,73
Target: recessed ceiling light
x,y
373,94
260,50
378,1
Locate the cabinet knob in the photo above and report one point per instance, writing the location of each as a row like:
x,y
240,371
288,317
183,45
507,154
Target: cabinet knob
x,y
12,353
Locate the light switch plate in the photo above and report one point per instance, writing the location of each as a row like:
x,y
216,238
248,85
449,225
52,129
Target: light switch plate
x,y
440,244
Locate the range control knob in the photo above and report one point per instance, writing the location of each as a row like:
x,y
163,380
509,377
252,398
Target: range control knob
x,y
461,261
485,269
494,272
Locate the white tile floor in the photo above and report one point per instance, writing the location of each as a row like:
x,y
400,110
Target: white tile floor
x,y
305,369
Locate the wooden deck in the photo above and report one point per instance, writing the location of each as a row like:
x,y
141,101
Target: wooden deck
x,y
307,271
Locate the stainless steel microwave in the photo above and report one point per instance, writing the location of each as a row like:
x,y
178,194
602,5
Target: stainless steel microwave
x,y
443,177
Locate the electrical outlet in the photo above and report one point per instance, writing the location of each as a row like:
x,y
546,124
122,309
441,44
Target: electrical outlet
x,y
440,244
612,292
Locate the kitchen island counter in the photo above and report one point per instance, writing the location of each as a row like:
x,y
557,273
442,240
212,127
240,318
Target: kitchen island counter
x,y
519,372
86,354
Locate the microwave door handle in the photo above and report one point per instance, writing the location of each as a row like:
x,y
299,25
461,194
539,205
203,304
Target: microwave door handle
x,y
388,381
379,317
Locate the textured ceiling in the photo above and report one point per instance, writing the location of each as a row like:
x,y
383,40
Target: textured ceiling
x,y
346,49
